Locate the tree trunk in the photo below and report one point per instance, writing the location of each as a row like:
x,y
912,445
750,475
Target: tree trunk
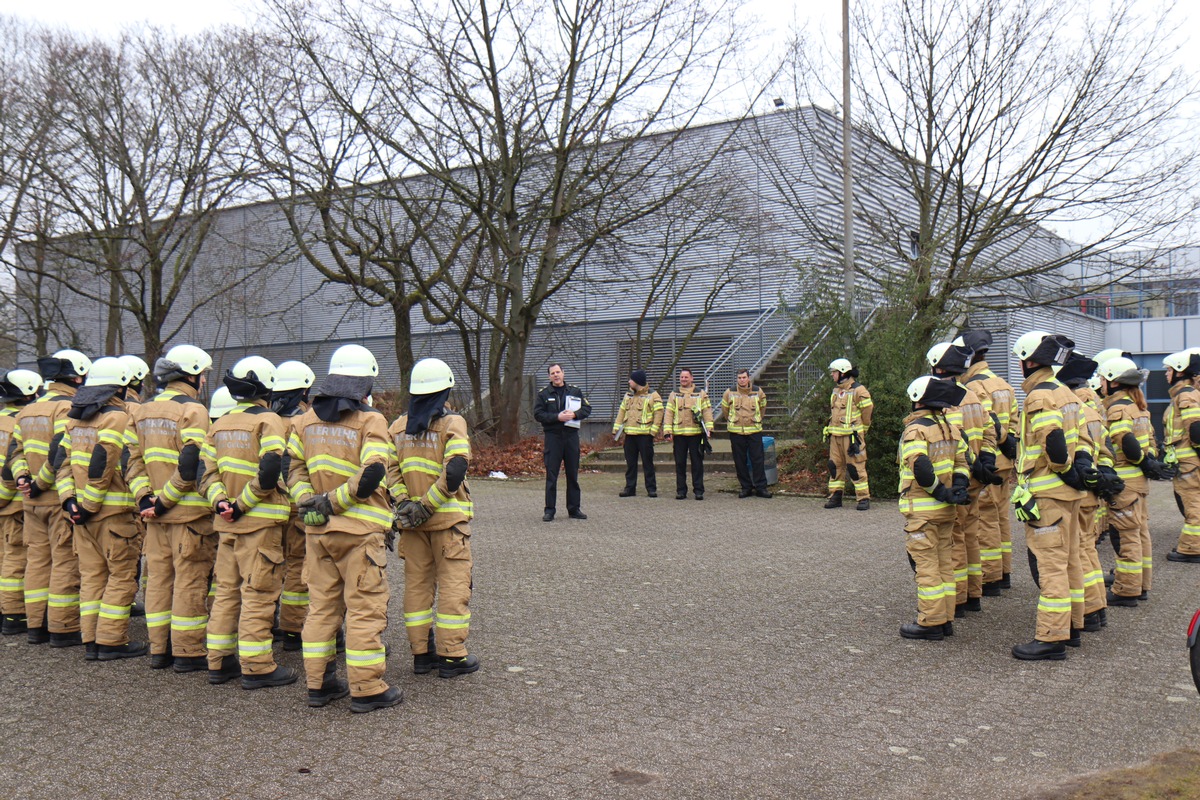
x,y
507,402
402,341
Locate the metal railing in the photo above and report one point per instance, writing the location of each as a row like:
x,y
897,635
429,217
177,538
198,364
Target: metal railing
x,y
808,368
755,347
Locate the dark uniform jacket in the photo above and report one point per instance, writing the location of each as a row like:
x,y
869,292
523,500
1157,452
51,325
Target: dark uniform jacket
x,y
552,399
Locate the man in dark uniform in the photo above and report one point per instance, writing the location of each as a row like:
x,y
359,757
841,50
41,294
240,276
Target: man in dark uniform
x,y
560,407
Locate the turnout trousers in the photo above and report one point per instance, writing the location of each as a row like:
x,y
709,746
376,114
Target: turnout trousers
x,y
1051,540
51,571
437,567
929,543
346,575
1187,497
109,551
12,565
293,602
249,578
842,465
995,529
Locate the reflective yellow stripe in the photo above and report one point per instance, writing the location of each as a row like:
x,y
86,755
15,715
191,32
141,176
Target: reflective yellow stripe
x,y
365,658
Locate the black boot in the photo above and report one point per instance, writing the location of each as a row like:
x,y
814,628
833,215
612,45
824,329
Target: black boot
x,y
230,668
449,667
1182,558
423,663
1076,640
834,501
280,676
863,505
91,651
14,624
947,629
991,589
933,633
1110,578
339,641
960,611
1006,580
164,660
332,688
1144,596
627,492
66,639
291,641
1103,617
973,604
681,495
1091,622
1121,600
1040,651
190,664
137,610
37,635
112,652
391,696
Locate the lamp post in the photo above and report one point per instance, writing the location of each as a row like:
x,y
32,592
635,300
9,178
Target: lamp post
x,y
847,192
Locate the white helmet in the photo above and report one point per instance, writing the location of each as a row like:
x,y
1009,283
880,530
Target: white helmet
x,y
74,363
1025,345
137,367
840,365
1105,355
109,371
253,376
222,403
353,360
189,359
1180,362
916,389
430,375
1121,370
1094,383
935,392
25,381
293,375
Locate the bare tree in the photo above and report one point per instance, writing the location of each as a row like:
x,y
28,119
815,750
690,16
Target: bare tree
x,y
985,125
532,117
143,158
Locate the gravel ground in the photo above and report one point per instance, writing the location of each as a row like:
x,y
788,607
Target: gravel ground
x,y
734,648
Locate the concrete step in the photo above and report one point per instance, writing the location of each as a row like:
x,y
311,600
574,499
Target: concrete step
x,y
613,459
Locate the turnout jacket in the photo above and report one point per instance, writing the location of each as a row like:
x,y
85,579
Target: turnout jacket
x,y
972,417
330,458
37,426
744,409
91,469
930,433
999,401
418,471
1178,419
1126,419
850,408
1049,406
686,409
10,498
641,413
232,453
158,433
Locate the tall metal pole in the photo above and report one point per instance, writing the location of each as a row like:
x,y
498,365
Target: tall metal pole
x,y
847,192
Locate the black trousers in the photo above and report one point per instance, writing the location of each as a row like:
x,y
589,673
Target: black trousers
x,y
562,450
688,447
640,446
750,445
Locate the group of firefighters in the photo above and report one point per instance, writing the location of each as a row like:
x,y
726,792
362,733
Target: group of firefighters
x,y
1080,449
264,518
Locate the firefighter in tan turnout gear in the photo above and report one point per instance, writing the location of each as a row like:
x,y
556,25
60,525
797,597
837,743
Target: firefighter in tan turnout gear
x,y
289,399
243,460
995,526
99,504
166,437
338,461
639,420
1046,498
850,410
1181,437
933,484
18,388
744,407
950,361
433,513
52,568
688,425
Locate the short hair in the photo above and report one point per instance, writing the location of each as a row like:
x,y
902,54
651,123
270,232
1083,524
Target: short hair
x,y
685,369
742,372
552,366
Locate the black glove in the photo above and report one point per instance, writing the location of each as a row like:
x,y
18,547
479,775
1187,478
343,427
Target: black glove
x,y
75,512
1071,477
269,468
159,508
855,447
1009,446
26,481
315,510
985,473
1110,484
706,448
146,503
225,505
942,494
959,490
1156,470
389,538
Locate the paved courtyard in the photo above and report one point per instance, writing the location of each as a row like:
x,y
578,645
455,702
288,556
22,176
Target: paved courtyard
x,y
730,648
